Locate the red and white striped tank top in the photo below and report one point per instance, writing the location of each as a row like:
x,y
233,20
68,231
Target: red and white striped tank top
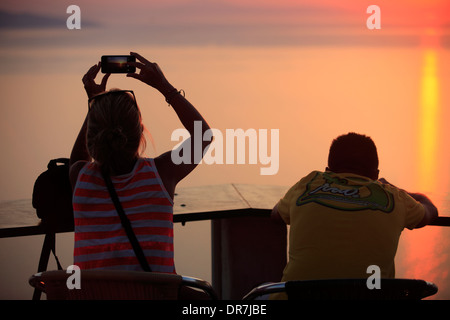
x,y
101,241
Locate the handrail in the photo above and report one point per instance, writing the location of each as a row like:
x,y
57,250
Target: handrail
x,y
223,214
177,218
441,222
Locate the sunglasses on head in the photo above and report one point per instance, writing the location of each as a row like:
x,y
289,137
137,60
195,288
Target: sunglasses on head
x,y
109,93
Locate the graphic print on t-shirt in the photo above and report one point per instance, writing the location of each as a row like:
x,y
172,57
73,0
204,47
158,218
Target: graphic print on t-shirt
x,y
349,194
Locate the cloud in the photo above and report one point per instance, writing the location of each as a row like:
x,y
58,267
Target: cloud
x,y
10,20
202,22
233,23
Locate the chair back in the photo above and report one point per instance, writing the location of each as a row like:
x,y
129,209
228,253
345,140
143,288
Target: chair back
x,y
347,289
117,285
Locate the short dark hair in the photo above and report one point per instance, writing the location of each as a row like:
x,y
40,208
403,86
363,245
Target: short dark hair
x,y
354,153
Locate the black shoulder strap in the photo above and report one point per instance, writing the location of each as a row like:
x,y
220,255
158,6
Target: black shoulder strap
x,y
126,223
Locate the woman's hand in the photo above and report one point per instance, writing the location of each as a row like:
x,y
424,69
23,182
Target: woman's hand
x,y
170,172
90,86
150,73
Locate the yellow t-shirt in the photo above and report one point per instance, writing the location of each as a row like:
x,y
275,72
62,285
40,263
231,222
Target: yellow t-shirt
x,y
340,224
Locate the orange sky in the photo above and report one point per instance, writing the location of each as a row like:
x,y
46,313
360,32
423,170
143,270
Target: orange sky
x,y
273,21
409,13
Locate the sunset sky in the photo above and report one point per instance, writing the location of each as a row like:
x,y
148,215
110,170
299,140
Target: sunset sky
x,y
196,39
245,22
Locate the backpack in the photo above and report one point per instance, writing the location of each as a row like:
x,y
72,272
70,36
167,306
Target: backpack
x,y
52,196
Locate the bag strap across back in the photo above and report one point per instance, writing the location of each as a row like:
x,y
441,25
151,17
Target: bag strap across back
x,y
126,223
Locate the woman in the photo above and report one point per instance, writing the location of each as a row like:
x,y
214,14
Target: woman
x,y
110,141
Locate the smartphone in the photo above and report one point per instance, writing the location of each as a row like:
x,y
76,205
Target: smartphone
x,y
117,64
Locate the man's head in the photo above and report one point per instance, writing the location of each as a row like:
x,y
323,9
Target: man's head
x,y
354,153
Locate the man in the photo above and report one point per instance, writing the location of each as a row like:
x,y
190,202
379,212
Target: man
x,y
344,219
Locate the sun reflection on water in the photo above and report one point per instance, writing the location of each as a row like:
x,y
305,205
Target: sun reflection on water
x,y
424,252
429,121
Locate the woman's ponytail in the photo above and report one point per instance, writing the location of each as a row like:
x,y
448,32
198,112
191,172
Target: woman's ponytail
x,y
114,130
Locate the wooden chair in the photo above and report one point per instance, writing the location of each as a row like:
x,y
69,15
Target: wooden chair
x,y
122,285
347,289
